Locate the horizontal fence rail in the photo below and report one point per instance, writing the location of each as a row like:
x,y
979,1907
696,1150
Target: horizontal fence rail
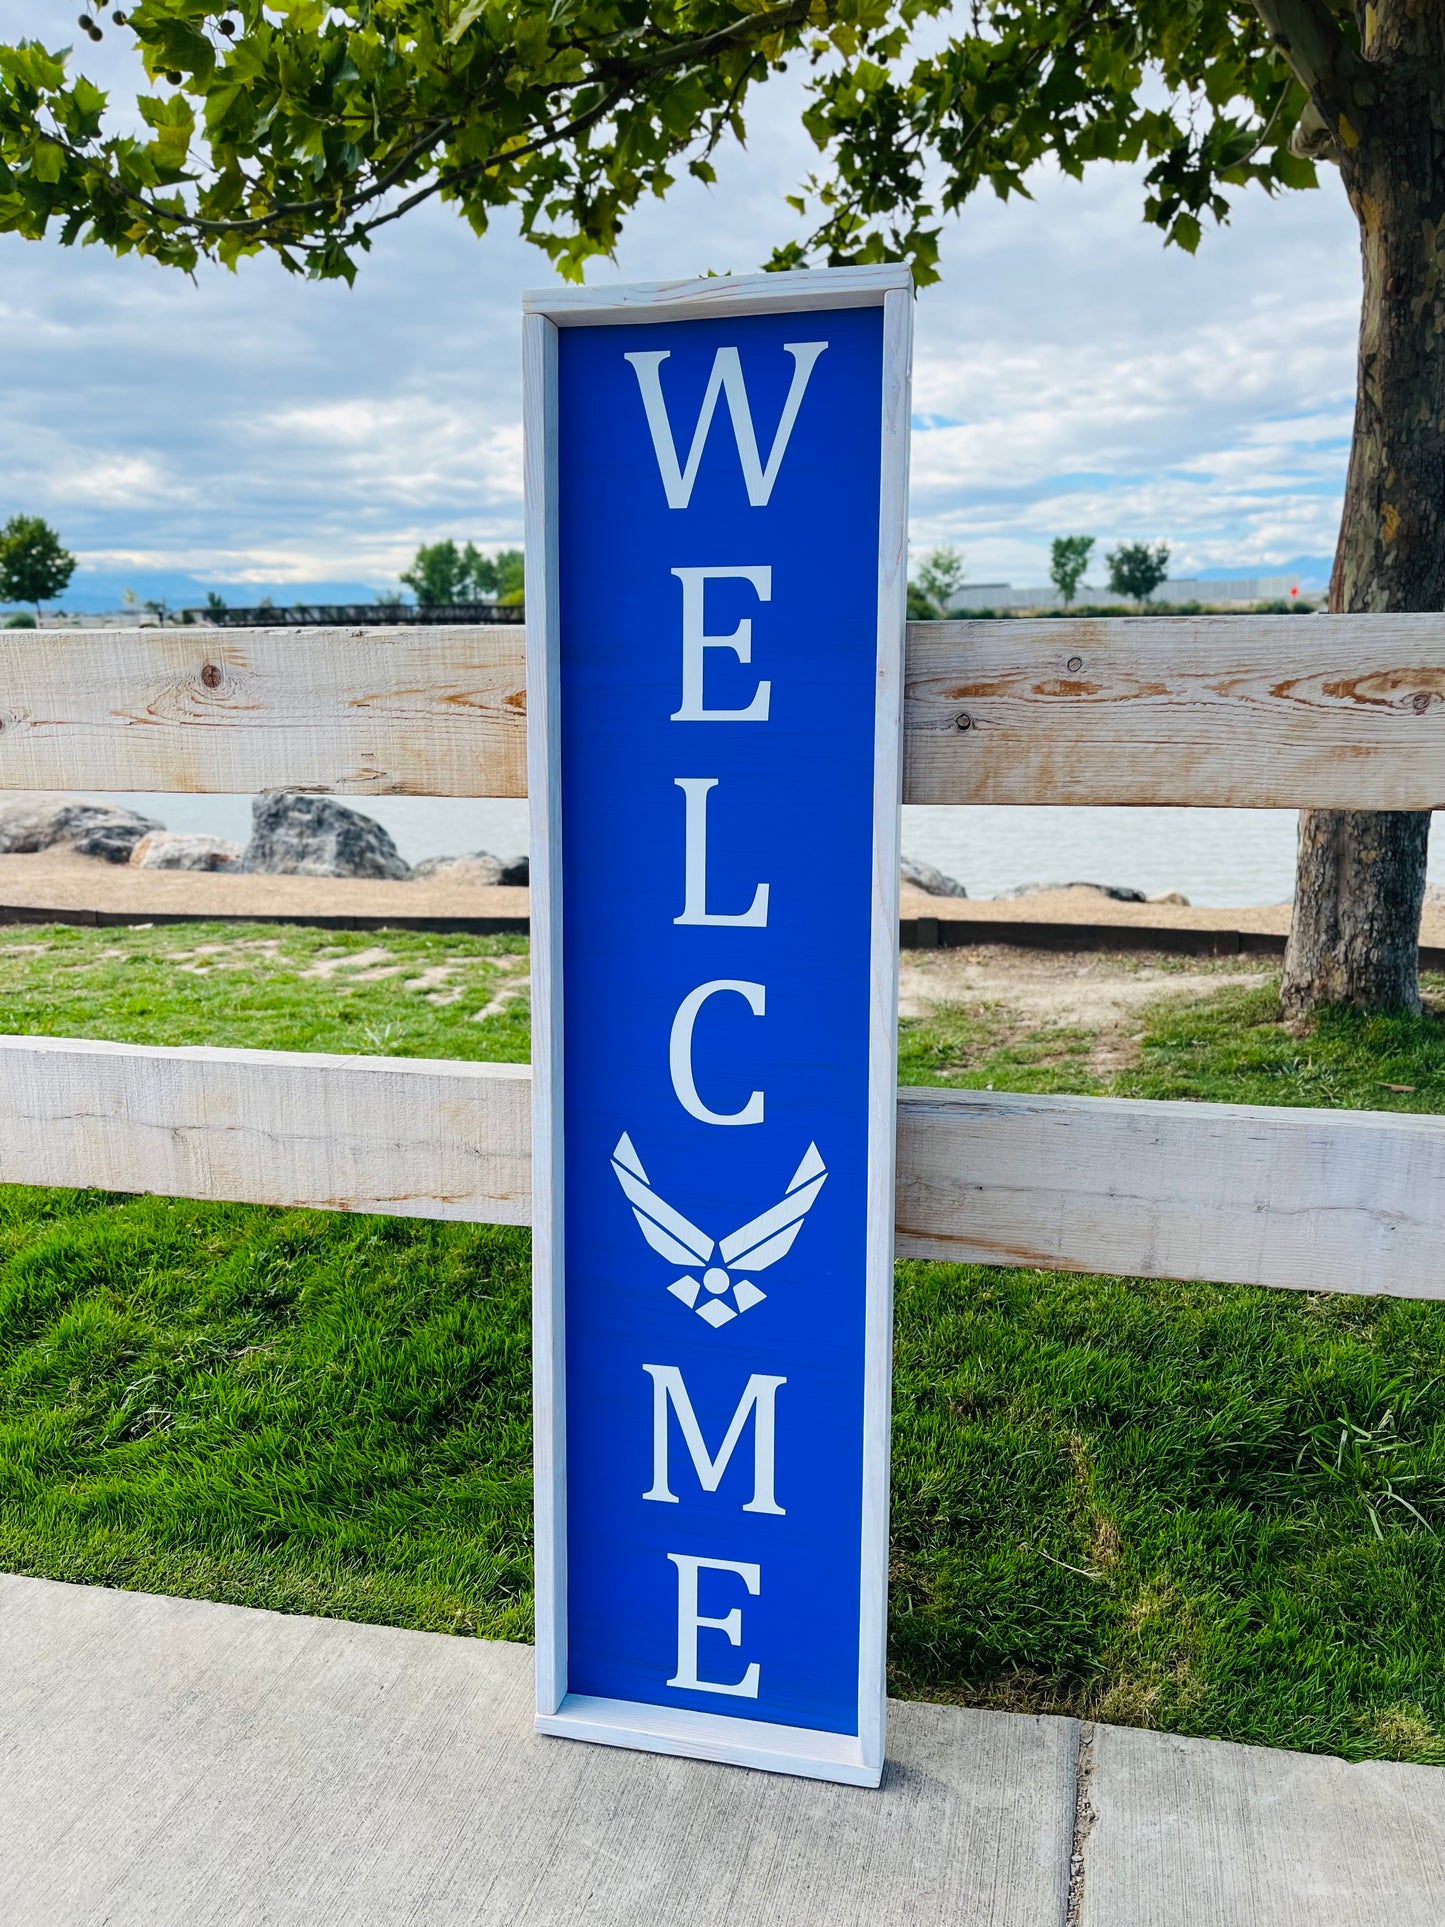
x,y
1240,711
1321,712
424,712
1307,1199
407,1136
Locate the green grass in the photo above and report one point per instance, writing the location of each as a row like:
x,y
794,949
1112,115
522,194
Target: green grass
x,y
1211,1510
978,1047
396,993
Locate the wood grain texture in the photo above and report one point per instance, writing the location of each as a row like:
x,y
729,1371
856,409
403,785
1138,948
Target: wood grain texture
x,y
1238,711
405,1136
359,712
1310,1200
1228,711
1305,1199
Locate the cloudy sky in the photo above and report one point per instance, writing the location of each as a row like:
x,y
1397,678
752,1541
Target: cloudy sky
x,y
262,435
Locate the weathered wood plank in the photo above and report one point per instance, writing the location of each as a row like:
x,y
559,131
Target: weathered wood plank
x,y
402,1135
1310,1200
360,712
1306,1199
1238,711
1230,711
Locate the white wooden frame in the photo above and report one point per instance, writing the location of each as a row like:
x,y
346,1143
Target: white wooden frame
x,y
710,1735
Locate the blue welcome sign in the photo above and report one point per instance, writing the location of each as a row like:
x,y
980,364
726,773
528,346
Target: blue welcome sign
x,y
715,605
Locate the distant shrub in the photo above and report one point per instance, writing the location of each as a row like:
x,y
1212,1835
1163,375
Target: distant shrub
x,y
21,621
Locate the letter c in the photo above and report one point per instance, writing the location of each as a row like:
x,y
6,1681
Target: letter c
x,y
680,1052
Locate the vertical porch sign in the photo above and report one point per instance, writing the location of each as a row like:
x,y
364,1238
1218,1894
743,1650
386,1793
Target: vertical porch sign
x,y
716,565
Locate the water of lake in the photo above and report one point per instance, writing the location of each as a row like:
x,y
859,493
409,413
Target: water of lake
x,y
1226,857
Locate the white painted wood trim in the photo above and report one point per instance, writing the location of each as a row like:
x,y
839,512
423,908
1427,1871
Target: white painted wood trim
x,y
883,1024
542,549
1239,711
1308,1200
802,1751
694,300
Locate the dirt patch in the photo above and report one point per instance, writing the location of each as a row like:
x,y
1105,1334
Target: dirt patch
x,y
1073,990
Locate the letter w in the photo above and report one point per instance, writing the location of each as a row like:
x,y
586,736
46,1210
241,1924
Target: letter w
x,y
726,379
759,1395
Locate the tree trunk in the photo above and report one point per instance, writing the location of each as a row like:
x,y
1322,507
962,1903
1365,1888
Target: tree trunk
x,y
1361,873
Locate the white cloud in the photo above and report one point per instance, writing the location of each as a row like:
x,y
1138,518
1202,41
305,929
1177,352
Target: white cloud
x,y
259,429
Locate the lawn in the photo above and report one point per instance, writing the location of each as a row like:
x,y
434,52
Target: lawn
x,y
1211,1510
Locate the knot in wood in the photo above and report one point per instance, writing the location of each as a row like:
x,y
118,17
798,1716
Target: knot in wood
x,y
1074,665
211,675
964,720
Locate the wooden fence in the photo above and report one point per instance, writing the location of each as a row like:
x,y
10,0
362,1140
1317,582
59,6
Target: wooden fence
x,y
1344,711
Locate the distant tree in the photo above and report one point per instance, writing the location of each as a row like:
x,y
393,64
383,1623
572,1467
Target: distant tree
x,y
511,575
443,573
478,574
1068,559
920,609
1137,570
940,577
437,573
33,566
214,603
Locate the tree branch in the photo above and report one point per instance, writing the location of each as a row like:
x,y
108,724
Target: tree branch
x,y
615,71
1331,71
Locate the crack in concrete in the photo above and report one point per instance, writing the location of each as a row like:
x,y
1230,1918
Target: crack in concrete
x,y
1085,1814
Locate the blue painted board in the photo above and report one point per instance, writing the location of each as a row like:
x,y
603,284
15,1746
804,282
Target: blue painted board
x,y
666,1154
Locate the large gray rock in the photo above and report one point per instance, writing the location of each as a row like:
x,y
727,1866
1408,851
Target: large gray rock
x,y
295,835
479,869
170,850
923,876
91,829
518,871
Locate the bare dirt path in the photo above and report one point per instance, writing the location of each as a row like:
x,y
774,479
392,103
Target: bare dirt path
x,y
1029,990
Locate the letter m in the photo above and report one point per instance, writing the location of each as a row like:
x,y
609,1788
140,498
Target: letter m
x,y
726,379
759,1396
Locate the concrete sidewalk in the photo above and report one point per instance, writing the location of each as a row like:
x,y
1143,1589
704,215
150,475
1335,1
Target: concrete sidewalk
x,y
165,1763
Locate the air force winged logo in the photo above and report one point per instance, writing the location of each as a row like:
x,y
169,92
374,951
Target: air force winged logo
x,y
752,1247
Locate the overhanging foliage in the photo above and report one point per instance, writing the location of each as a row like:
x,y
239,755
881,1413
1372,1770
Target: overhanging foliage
x,y
300,128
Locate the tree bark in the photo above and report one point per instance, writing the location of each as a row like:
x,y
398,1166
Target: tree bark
x,y
1361,873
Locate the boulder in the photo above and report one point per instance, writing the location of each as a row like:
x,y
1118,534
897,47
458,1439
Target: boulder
x,y
91,829
170,850
923,876
1171,896
517,872
296,835
480,869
